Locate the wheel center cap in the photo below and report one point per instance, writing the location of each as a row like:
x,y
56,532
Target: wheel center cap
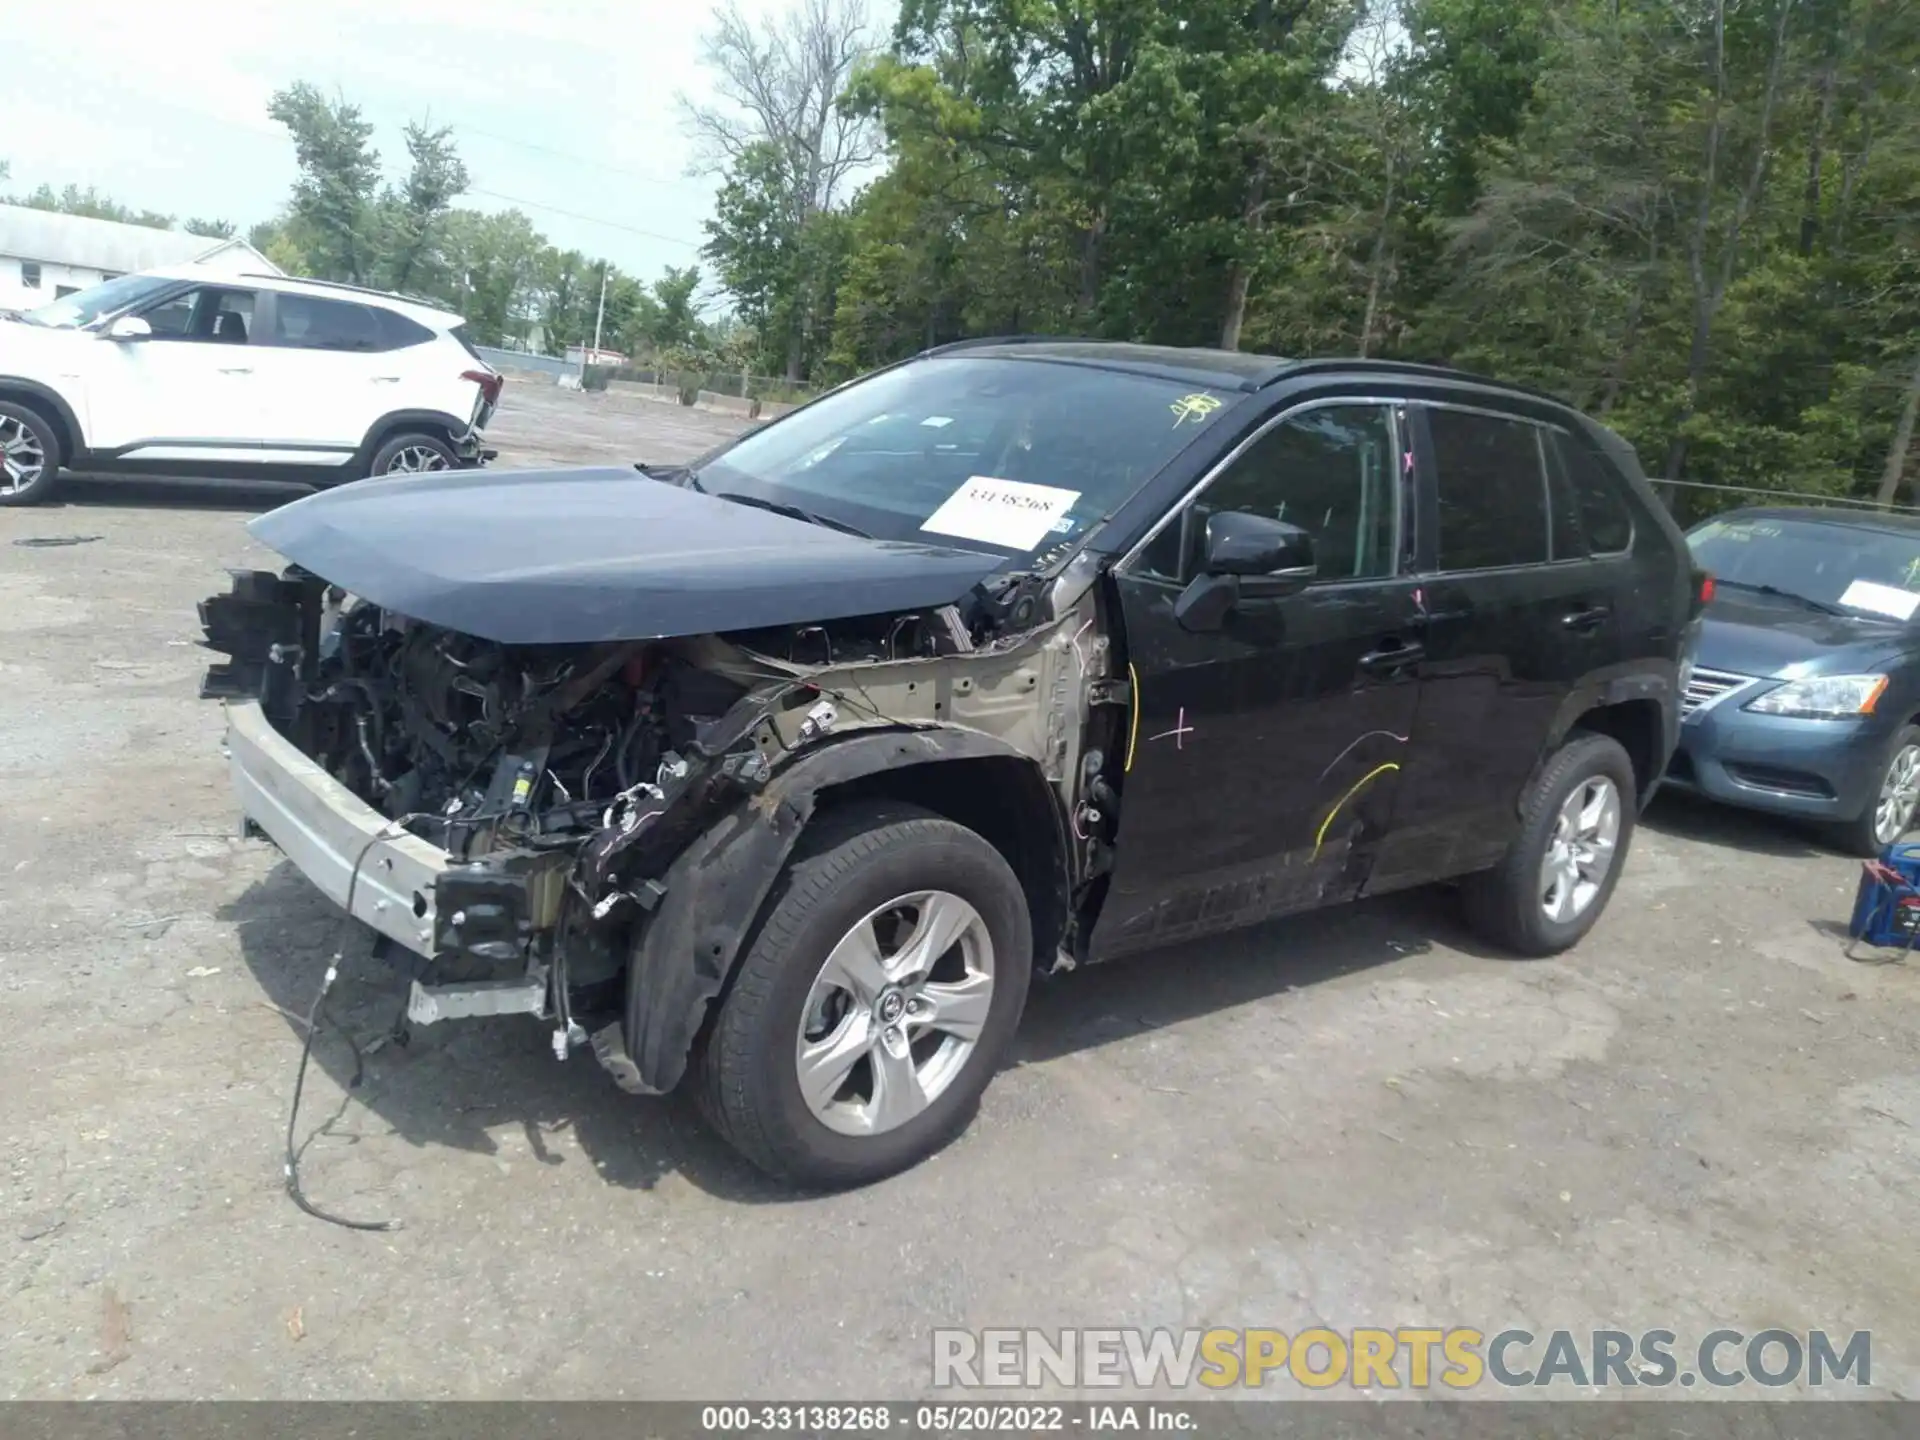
x,y
891,1007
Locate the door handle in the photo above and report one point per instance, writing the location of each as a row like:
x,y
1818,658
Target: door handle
x,y
1392,657
386,379
1587,617
236,369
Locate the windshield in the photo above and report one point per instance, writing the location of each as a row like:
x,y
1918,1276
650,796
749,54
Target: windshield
x,y
1870,572
1007,456
83,307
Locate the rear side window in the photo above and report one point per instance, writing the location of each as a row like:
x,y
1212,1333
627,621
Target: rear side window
x,y
1492,490
397,332
465,337
1596,494
304,322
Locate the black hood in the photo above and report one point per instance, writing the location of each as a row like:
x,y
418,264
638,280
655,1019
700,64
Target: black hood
x,y
1751,634
549,557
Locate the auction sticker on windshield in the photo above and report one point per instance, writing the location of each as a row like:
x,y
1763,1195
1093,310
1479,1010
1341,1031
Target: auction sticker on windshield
x,y
1881,599
1010,513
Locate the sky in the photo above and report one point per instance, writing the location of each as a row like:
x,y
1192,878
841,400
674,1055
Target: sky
x,y
566,106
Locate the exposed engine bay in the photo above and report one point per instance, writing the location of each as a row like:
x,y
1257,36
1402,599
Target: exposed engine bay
x,y
573,788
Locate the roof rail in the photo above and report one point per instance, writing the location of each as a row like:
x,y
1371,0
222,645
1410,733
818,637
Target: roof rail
x,y
420,300
979,341
1412,367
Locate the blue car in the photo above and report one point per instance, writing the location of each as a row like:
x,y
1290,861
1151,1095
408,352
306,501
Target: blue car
x,y
1804,696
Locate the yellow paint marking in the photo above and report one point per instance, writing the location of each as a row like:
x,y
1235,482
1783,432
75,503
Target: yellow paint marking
x,y
1320,839
1197,407
1133,729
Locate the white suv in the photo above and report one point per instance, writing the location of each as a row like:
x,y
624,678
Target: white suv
x,y
182,372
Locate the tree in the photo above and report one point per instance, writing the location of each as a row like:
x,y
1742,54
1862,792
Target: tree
x,y
212,229
339,174
79,200
414,213
677,323
788,150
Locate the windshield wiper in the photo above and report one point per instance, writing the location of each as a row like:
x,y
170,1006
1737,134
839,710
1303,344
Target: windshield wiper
x,y
1806,600
779,507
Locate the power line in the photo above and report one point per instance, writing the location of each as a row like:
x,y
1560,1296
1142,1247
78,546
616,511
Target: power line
x,y
578,159
589,219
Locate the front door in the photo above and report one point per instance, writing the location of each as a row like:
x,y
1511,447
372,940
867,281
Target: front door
x,y
1517,615
185,391
1263,756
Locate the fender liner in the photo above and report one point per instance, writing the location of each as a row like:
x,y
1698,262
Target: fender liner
x,y
394,420
716,887
1654,682
61,413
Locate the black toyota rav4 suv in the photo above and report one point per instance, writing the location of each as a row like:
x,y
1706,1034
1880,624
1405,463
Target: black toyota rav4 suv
x,y
787,768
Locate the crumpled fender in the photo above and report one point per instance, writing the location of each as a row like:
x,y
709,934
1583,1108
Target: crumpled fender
x,y
716,886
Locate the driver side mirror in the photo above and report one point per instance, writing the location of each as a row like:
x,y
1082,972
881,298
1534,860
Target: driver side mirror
x,y
1244,556
129,327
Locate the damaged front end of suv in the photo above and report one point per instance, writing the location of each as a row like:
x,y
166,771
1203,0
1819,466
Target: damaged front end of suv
x,y
554,738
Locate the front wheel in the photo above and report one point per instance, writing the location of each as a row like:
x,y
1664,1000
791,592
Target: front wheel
x,y
412,453
1890,814
1576,819
876,1000
29,455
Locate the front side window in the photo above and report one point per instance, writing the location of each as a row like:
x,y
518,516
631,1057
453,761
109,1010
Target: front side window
x,y
1329,470
214,316
1492,490
982,453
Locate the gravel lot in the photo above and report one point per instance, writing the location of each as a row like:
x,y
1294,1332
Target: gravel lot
x,y
1704,1116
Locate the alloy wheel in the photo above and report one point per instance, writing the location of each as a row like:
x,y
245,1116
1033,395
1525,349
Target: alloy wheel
x,y
1580,853
22,458
1899,793
413,459
895,1013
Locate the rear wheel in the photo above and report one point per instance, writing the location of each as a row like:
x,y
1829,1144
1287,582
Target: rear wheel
x,y
1576,820
29,455
1891,812
876,1000
412,453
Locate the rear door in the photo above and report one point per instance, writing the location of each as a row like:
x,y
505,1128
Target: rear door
x,y
1261,767
324,377
1517,615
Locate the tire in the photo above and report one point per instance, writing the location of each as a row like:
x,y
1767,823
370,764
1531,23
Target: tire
x,y
1864,835
1509,904
31,446
851,865
412,451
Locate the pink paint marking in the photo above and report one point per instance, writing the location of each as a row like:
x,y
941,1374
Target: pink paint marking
x,y
1179,732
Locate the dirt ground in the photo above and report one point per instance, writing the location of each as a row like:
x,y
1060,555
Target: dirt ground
x,y
1705,1116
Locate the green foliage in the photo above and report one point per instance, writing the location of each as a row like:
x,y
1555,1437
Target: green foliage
x,y
1701,222
496,269
85,200
339,175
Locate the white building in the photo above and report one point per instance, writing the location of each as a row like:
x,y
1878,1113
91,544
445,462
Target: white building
x,y
44,255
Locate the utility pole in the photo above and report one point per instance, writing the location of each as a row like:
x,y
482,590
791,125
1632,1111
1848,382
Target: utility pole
x,y
600,314
599,317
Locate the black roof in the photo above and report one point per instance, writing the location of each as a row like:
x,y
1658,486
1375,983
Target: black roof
x,y
1235,369
1890,521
